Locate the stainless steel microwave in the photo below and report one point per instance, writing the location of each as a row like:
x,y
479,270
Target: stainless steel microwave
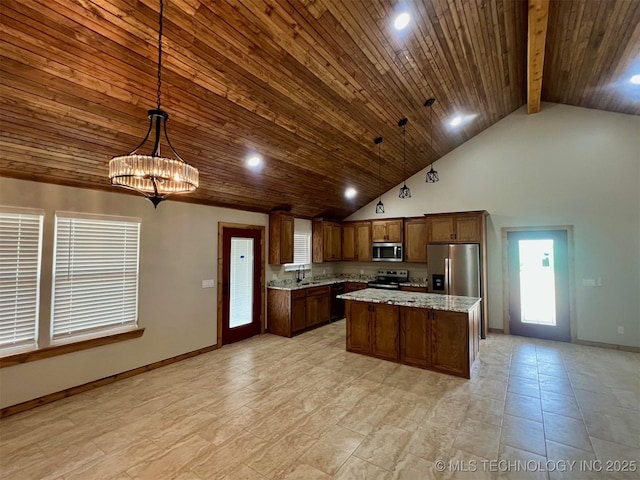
x,y
387,252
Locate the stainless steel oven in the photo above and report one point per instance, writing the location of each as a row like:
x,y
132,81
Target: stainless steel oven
x,y
387,252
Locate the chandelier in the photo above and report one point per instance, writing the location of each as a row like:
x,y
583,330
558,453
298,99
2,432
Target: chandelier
x,y
404,190
432,175
153,175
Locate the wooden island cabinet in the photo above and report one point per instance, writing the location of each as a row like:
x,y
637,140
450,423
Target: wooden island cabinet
x,y
435,332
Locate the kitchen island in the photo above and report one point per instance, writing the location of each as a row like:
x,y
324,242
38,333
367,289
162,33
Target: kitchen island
x,y
435,332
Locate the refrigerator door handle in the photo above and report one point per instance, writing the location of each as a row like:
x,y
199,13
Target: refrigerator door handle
x,y
447,280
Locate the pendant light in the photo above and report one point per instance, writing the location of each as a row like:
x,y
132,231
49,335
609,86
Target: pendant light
x,y
432,175
379,205
152,174
404,190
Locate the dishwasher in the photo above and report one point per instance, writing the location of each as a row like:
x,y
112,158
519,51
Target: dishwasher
x,y
337,305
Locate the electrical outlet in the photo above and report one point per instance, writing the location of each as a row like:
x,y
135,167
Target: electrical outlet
x,y
588,282
362,271
208,283
621,330
599,281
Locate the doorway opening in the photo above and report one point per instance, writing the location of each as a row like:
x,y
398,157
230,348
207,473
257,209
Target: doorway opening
x,y
538,272
241,282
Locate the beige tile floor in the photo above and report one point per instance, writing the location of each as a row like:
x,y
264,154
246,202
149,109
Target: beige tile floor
x,y
303,408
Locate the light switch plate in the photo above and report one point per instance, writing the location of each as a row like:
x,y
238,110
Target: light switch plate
x,y
588,282
208,283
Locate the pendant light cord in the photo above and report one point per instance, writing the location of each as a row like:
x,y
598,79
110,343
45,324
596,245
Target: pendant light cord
x,y
379,183
404,153
160,50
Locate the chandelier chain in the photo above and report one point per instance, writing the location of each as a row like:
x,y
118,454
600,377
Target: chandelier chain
x,y
160,50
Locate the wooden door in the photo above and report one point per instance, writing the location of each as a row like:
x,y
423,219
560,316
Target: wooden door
x,y
449,341
363,242
298,314
468,229
386,332
312,317
349,241
394,231
538,264
358,327
415,240
441,229
241,289
326,242
286,239
415,336
324,308
378,231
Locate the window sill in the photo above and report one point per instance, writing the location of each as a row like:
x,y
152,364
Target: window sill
x,y
54,351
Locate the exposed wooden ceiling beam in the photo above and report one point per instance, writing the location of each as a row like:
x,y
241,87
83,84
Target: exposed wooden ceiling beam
x,y
537,35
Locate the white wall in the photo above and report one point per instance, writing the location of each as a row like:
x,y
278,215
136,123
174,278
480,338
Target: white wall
x,y
178,249
563,166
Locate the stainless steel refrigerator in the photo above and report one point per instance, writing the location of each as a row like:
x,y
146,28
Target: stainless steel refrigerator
x,y
454,269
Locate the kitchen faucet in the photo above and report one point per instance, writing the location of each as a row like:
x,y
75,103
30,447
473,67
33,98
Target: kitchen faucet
x,y
300,274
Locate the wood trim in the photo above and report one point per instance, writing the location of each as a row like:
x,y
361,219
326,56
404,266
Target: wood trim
x,y
573,320
52,397
611,346
263,283
63,349
536,41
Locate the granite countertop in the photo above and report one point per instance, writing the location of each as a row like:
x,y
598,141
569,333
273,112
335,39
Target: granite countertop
x,y
450,303
309,284
414,284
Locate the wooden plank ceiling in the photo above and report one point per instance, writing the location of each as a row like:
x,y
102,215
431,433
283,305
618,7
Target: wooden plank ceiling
x,y
307,84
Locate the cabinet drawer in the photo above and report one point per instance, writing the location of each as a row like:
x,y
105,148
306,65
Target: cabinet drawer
x,y
298,293
324,290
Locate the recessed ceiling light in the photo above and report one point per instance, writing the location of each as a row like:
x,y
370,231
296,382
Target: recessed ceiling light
x,y
254,161
350,192
456,121
401,21
635,79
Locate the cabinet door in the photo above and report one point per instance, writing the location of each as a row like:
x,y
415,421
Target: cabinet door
x,y
358,327
440,228
311,311
326,242
415,337
298,314
415,240
336,241
449,341
378,231
394,231
363,242
468,228
385,332
324,308
404,288
354,286
286,239
349,241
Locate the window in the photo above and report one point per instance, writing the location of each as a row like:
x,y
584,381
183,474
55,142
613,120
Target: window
x,y
301,245
20,256
95,275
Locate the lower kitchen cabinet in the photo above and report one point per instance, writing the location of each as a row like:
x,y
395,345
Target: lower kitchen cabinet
x,y
373,329
407,288
437,340
292,311
353,286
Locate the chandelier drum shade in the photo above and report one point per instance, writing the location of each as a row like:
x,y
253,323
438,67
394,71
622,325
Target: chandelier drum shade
x,y
152,174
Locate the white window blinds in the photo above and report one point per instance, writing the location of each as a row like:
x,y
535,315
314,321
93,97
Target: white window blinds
x,y
20,255
301,249
95,284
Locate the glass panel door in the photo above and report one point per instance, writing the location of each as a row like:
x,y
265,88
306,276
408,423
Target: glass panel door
x,y
241,282
537,282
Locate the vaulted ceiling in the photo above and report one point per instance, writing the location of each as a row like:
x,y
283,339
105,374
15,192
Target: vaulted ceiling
x,y
307,84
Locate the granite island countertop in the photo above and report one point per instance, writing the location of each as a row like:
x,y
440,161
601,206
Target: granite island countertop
x,y
450,303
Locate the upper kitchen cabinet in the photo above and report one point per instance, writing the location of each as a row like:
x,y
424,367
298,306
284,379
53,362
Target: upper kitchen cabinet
x,y
415,239
327,240
462,227
280,238
389,230
356,241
